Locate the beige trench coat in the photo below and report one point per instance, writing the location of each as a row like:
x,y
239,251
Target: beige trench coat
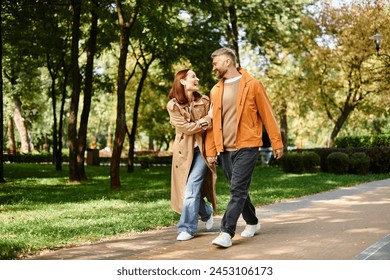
x,y
188,130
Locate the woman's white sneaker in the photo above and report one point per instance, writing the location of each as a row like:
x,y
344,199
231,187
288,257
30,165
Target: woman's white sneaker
x,y
250,230
184,236
210,222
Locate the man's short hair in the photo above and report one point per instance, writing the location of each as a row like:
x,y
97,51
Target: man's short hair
x,y
226,51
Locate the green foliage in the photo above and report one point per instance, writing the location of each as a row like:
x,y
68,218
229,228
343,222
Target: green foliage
x,y
379,157
311,162
341,83
30,158
292,163
366,141
306,162
359,163
338,163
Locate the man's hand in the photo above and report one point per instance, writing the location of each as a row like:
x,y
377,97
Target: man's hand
x,y
278,153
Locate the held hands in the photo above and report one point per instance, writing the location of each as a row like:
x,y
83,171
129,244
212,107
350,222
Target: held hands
x,y
278,153
211,160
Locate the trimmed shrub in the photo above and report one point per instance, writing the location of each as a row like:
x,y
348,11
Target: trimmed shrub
x,y
292,163
338,163
380,160
275,162
379,157
359,163
311,162
296,162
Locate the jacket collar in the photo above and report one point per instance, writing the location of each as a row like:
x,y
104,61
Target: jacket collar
x,y
246,77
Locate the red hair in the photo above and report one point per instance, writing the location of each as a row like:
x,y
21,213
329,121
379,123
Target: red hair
x,y
177,91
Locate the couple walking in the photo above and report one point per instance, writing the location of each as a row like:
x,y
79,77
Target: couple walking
x,y
229,125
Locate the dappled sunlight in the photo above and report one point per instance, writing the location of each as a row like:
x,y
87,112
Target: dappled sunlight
x,y
298,221
367,230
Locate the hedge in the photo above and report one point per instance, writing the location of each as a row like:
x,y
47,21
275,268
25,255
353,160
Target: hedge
x,y
366,141
379,159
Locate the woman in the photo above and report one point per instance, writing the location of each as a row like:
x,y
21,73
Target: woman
x,y
192,177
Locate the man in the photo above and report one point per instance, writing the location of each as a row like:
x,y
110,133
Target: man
x,y
240,108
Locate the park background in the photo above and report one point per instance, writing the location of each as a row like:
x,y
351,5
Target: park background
x,y
80,77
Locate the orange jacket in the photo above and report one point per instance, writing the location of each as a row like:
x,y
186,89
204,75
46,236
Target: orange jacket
x,y
253,110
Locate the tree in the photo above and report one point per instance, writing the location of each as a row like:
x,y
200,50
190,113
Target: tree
x,y
76,89
144,65
1,100
22,60
341,63
55,45
120,129
91,50
154,120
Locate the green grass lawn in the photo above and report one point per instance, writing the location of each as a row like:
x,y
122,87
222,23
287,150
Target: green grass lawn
x,y
40,208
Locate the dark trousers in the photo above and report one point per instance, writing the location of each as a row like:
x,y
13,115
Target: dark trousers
x,y
238,167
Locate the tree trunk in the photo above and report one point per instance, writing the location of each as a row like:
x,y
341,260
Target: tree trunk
x,y
82,136
1,100
233,38
53,105
283,124
46,144
76,79
21,126
58,159
151,143
340,122
109,139
120,130
11,136
130,162
231,27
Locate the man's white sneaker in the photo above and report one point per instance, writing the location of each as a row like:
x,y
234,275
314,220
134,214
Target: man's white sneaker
x,y
210,222
224,240
250,230
184,236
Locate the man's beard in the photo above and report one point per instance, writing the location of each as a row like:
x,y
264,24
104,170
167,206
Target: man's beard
x,y
220,74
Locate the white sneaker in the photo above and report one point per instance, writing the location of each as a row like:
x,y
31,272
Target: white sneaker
x,y
184,236
250,230
210,221
224,240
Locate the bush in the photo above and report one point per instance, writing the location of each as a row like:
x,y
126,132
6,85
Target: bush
x,y
300,162
359,163
380,160
311,162
275,162
292,163
338,163
365,141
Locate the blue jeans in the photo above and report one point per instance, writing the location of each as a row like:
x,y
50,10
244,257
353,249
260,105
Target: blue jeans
x,y
238,167
193,204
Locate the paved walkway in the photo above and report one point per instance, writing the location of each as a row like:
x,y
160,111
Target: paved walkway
x,y
344,224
